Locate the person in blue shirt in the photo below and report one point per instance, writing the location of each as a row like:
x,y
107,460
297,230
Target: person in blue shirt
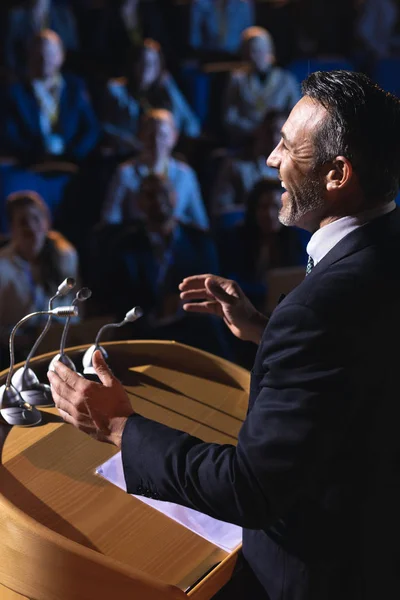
x,y
158,135
216,25
148,85
49,114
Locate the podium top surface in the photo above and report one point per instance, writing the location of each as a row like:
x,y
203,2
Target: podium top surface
x,y
48,472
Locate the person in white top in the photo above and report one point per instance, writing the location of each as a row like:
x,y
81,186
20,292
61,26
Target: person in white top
x,y
257,87
158,135
32,265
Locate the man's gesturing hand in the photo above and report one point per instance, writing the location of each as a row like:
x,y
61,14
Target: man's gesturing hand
x,y
98,409
224,298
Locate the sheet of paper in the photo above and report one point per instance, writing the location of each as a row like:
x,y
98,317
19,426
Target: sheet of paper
x,y
224,535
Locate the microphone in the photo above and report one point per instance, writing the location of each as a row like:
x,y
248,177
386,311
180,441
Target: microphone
x,y
24,379
131,316
13,408
81,296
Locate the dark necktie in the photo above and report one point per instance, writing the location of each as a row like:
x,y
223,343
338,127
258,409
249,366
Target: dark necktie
x,y
310,265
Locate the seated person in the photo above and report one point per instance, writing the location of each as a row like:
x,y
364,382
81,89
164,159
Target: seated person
x,y
257,87
148,85
240,173
29,19
375,27
145,262
32,265
248,251
158,136
48,115
216,25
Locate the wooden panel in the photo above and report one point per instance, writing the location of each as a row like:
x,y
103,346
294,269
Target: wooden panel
x,y
48,472
6,594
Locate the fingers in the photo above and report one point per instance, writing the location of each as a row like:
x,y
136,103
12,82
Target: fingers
x,y
102,369
194,282
208,307
215,290
58,386
198,294
69,377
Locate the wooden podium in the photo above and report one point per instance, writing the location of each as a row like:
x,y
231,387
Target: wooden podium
x,y
68,534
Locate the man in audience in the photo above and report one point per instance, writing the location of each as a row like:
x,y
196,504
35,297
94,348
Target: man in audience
x,y
216,25
258,87
26,21
314,478
32,265
158,136
239,174
48,115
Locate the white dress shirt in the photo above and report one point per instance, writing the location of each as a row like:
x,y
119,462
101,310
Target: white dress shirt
x,y
327,237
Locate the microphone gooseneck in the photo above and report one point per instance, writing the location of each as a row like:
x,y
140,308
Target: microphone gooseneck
x,y
64,311
81,296
63,289
135,313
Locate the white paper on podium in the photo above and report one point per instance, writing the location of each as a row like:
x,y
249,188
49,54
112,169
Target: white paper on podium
x,y
224,535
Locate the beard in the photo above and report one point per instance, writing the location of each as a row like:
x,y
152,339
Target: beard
x,y
307,198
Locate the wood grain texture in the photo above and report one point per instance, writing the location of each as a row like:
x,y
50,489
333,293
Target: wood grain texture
x,y
47,478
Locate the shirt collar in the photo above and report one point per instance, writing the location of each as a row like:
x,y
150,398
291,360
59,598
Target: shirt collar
x,y
325,238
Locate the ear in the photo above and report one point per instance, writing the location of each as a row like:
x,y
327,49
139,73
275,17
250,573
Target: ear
x,y
339,175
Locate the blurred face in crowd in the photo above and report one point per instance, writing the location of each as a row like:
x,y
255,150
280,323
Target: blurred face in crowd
x,y
259,52
156,201
29,228
267,212
159,134
304,198
47,56
148,68
269,134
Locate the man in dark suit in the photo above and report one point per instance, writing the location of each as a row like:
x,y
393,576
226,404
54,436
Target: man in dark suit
x,y
315,478
49,114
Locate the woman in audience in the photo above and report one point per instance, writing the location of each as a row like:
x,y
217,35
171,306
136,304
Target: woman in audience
x,y
216,25
32,264
258,87
240,173
147,86
248,251
158,136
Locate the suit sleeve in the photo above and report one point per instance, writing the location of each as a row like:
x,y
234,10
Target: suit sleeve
x,y
286,435
89,130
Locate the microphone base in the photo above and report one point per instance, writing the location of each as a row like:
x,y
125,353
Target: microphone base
x,y
21,417
15,411
64,359
38,396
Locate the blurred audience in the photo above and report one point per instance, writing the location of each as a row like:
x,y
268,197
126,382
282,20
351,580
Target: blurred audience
x,y
111,29
240,173
158,136
48,114
257,87
148,85
216,25
261,243
32,265
376,27
29,19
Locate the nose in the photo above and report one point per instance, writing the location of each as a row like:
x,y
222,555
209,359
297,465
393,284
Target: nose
x,y
274,159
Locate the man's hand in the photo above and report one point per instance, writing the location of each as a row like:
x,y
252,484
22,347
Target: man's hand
x,y
98,409
224,298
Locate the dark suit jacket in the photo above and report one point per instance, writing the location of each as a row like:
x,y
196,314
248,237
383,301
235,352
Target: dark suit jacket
x,y
315,477
77,124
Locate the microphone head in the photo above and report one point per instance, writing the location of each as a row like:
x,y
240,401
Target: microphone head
x,y
66,286
135,313
83,294
65,311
